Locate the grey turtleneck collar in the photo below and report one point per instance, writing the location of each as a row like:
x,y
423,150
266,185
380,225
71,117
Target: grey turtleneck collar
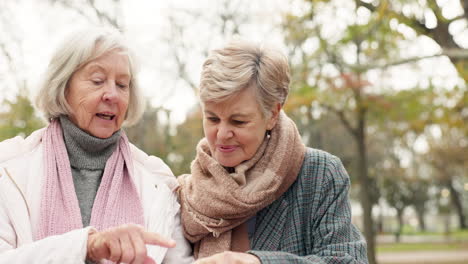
x,y
84,150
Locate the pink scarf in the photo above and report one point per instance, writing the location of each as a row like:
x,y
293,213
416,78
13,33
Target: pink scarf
x,y
117,201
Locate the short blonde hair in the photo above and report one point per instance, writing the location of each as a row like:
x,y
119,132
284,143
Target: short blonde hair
x,y
241,64
76,51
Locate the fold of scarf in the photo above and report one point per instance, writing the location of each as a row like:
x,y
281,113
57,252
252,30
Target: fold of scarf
x,y
117,200
213,201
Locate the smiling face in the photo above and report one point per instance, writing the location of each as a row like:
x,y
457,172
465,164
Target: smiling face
x,y
235,128
98,94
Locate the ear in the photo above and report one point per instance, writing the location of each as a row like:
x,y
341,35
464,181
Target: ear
x,y
274,116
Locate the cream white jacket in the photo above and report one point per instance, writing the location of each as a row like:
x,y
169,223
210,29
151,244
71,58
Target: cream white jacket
x,y
21,177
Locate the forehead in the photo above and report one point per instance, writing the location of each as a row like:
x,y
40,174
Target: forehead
x,y
110,61
243,103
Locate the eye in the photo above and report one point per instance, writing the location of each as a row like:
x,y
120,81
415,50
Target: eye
x,y
213,119
97,81
239,122
122,85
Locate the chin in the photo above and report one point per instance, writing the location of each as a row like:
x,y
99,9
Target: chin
x,y
102,134
228,163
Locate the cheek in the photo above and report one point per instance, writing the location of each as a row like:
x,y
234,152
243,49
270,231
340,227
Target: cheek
x,y
123,104
254,140
125,99
210,133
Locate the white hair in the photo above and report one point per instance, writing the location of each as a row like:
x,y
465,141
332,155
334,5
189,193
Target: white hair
x,y
76,51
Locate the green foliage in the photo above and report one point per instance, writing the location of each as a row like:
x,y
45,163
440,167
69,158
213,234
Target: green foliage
x,y
18,118
185,141
404,111
176,146
397,191
150,134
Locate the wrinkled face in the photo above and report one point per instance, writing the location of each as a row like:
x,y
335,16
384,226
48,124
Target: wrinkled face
x,y
98,94
235,128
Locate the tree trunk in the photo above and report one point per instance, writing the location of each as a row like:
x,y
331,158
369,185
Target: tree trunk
x,y
445,39
400,225
365,195
422,222
456,202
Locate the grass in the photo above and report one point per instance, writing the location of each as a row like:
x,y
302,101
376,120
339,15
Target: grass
x,y
438,262
458,234
402,247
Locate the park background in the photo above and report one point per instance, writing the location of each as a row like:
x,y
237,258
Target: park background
x,y
382,84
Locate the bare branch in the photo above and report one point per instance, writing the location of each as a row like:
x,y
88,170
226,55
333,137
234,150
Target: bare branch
x,y
342,117
369,6
227,22
103,16
6,53
464,4
412,22
457,18
181,63
451,53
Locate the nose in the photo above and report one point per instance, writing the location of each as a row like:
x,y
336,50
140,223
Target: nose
x,y
110,92
224,132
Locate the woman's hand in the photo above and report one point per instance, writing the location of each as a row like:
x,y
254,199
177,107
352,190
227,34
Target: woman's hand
x,y
229,257
125,243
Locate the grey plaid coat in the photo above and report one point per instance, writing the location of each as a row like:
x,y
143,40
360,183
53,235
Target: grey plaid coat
x,y
311,221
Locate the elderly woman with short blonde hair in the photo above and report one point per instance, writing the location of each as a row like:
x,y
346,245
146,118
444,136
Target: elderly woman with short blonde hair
x,y
256,194
77,191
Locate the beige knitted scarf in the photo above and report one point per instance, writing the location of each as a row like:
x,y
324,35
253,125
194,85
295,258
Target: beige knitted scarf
x,y
215,201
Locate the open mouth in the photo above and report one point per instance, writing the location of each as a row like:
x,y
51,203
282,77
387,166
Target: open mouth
x,y
105,116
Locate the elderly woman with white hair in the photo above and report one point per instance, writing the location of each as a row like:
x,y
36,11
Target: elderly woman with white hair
x,y
256,194
77,191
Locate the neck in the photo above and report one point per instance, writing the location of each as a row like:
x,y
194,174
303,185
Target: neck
x,y
84,150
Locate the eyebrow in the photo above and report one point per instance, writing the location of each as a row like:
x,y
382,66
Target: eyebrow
x,y
237,115
97,66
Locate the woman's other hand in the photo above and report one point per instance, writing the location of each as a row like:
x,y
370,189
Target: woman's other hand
x,y
229,257
125,243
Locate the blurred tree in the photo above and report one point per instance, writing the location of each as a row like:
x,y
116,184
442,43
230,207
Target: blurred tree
x,y
448,147
329,77
448,155
418,15
17,115
185,140
225,21
331,64
419,198
150,134
397,194
107,12
18,118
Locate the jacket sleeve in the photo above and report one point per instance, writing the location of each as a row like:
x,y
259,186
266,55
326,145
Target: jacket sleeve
x,y
182,253
334,238
66,248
